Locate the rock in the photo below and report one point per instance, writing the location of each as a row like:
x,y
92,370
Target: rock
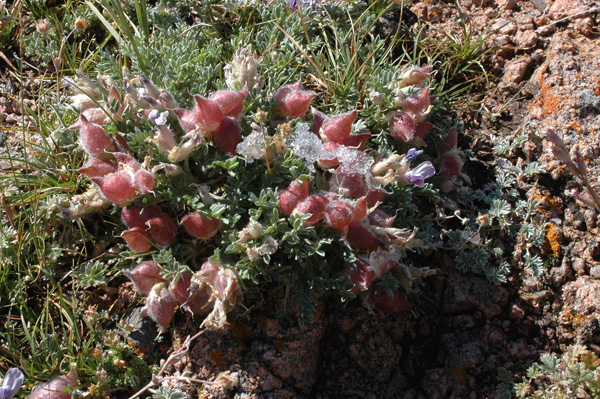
x,y
561,9
526,39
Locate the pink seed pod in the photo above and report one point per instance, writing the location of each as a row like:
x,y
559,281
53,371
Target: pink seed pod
x,y
315,205
137,240
293,195
206,115
56,387
403,127
375,195
143,181
160,305
227,137
126,161
162,230
338,214
144,276
199,299
284,91
380,219
357,141
451,167
94,140
98,167
231,102
449,142
329,163
201,227
349,185
338,128
421,130
180,287
360,236
136,216
418,104
360,274
415,75
209,271
292,102
117,187
318,119
379,299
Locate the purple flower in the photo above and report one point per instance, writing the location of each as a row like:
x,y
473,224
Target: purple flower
x,y
420,173
11,383
412,154
294,3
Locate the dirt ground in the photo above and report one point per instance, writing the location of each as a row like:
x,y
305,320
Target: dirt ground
x,y
546,75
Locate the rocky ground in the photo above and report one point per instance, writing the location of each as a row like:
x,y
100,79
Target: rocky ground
x,y
463,329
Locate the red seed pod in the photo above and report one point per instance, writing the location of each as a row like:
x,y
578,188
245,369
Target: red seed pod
x,y
380,219
294,105
209,271
403,127
380,300
451,167
143,181
117,187
144,276
360,236
137,239
98,167
199,299
374,195
360,274
318,119
315,205
293,195
231,102
418,103
94,140
350,185
422,129
56,387
357,141
136,216
329,163
206,116
180,288
338,214
338,128
162,230
227,137
201,227
160,305
284,91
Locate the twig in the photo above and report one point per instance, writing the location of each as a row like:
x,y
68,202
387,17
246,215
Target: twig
x,y
157,379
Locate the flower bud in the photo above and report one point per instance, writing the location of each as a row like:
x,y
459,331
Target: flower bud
x,y
42,27
81,23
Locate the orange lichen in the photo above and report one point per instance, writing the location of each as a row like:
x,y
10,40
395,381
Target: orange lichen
x,y
576,126
548,100
551,241
217,358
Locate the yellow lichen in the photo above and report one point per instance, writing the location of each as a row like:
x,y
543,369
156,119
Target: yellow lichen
x,y
551,242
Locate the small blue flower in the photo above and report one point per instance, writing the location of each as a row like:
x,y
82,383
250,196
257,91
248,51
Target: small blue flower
x,y
11,383
412,154
421,172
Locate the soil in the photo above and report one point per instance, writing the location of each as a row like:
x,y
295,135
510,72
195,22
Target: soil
x,y
462,329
